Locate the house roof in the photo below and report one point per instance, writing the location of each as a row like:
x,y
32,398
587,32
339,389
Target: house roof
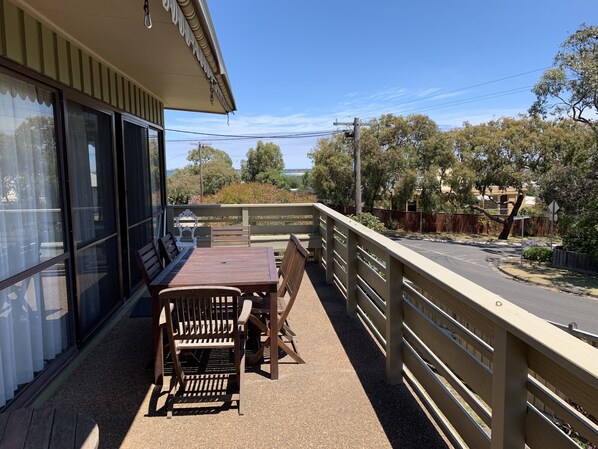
x,y
178,59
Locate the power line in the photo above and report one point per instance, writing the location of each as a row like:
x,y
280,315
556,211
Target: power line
x,y
285,135
469,100
440,94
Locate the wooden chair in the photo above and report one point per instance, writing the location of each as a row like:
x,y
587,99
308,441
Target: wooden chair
x,y
186,223
287,294
231,236
204,318
149,262
168,248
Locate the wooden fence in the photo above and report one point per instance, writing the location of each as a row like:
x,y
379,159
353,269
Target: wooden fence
x,y
456,223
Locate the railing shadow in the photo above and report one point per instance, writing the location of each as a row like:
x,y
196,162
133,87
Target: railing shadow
x,y
400,415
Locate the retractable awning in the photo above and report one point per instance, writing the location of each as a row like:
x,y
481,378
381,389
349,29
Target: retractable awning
x,y
178,59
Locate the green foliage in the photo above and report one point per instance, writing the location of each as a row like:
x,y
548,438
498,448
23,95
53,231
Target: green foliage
x,y
263,163
217,169
580,233
369,220
538,253
392,224
570,86
274,177
256,193
332,173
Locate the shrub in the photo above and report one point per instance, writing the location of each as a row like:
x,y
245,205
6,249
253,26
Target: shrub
x,y
369,220
392,224
255,193
538,253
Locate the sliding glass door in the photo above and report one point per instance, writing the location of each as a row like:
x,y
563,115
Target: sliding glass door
x,y
34,308
95,209
144,199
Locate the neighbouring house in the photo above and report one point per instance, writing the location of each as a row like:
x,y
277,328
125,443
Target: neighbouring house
x,y
83,88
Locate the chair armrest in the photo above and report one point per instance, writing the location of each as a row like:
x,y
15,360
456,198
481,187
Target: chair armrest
x,y
245,312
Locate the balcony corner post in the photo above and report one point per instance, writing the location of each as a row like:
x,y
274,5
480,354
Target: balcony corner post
x,y
509,391
351,273
394,321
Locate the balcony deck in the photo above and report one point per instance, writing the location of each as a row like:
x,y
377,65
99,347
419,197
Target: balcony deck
x,y
339,398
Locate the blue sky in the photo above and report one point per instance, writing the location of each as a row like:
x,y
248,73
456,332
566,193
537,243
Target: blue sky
x,y
298,66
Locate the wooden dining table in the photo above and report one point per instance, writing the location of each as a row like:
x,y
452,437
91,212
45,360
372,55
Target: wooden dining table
x,y
250,269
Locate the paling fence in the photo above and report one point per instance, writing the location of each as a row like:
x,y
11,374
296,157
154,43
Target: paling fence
x,y
457,223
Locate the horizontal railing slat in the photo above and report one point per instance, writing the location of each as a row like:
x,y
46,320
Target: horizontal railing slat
x,y
460,419
476,375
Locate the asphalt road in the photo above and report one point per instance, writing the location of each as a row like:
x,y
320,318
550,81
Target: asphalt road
x,y
476,263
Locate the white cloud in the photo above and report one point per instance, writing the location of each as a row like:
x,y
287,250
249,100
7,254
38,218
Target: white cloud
x,y
365,104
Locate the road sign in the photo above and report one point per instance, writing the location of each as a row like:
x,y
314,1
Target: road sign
x,y
520,217
553,207
553,217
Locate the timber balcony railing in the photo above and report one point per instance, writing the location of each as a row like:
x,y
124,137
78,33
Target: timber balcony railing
x,y
491,374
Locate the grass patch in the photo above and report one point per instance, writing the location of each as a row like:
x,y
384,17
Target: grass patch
x,y
545,274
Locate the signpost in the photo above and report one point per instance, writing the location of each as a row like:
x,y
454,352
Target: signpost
x,y
522,218
553,217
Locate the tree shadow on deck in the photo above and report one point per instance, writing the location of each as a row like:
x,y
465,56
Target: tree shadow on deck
x,y
404,422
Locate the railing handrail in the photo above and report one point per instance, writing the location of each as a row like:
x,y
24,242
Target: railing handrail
x,y
545,337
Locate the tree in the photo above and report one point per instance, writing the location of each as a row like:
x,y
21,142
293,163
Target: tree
x,y
573,84
332,173
566,167
421,159
573,81
264,158
217,169
499,154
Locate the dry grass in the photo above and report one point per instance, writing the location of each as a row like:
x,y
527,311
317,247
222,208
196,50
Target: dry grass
x,y
544,274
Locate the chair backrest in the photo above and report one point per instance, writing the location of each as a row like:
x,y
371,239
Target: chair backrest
x,y
231,236
185,224
201,312
285,263
289,285
168,248
149,262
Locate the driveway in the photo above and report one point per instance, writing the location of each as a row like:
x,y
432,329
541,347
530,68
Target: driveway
x,y
477,264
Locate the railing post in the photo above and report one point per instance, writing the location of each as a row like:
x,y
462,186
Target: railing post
x,y
245,216
329,249
509,391
394,320
351,273
315,230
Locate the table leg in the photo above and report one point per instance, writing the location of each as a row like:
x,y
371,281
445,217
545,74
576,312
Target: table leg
x,y
273,335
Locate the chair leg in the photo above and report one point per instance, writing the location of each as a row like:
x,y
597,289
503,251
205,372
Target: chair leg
x,y
282,345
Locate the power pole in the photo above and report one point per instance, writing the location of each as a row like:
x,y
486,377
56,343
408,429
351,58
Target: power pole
x,y
356,158
199,147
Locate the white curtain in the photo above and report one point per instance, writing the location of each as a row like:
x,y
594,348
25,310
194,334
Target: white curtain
x,y
33,311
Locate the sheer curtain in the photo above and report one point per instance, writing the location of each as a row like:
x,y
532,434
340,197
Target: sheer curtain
x,y
33,310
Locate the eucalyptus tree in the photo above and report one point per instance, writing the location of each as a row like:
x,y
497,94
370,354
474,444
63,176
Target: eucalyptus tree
x,y
332,174
571,87
422,158
216,168
266,157
499,154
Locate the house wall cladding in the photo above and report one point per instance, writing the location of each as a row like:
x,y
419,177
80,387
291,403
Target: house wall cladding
x,y
46,52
